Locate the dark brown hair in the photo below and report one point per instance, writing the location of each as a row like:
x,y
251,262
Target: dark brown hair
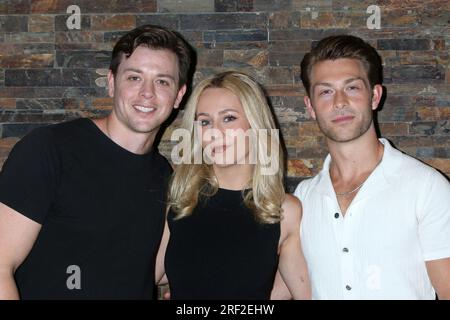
x,y
153,37
343,46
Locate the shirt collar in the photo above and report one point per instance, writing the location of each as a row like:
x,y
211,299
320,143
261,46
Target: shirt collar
x,y
381,178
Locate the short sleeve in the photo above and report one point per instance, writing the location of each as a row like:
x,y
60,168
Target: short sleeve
x,y
434,218
29,177
299,190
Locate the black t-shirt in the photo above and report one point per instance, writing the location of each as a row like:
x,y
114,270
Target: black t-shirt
x,y
102,212
221,251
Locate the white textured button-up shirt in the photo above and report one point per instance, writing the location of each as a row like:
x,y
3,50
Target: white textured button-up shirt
x,y
398,220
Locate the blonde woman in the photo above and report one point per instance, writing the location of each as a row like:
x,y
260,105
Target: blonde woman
x,y
231,225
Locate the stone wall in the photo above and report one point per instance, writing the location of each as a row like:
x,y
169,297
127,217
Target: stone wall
x,y
50,73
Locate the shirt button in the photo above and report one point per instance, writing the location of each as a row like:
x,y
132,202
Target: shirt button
x,y
348,287
336,215
345,250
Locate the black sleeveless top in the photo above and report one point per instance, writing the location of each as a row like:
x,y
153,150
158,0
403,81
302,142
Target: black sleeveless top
x,y
221,251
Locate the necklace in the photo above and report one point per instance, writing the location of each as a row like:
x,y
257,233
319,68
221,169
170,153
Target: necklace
x,y
341,194
351,191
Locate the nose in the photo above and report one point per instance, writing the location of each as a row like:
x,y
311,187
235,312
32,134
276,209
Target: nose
x,y
217,125
340,99
147,90
213,132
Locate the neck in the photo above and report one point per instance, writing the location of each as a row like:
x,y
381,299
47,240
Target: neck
x,y
352,158
234,177
135,142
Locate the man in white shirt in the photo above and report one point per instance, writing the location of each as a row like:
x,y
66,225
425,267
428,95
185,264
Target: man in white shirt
x,y
376,222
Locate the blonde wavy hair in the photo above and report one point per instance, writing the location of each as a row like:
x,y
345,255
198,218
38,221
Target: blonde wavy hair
x,y
192,181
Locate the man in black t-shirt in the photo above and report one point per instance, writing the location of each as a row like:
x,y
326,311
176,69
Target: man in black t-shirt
x,y
82,203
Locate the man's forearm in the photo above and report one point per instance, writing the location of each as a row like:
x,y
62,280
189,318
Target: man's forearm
x,y
8,288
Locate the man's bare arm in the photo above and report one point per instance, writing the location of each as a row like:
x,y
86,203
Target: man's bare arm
x,y
17,236
439,273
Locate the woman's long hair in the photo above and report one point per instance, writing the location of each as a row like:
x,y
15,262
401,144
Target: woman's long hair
x,y
193,181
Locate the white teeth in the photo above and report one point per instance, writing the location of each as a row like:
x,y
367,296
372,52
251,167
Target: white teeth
x,y
144,109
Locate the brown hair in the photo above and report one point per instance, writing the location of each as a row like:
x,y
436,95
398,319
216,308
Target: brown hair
x,y
343,46
154,37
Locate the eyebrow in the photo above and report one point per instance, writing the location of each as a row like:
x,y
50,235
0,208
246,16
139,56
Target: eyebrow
x,y
220,112
159,75
327,84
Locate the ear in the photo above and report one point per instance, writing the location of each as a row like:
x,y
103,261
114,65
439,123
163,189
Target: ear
x,y
377,93
309,107
180,95
110,84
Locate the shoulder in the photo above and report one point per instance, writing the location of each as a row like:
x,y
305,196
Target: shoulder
x,y
290,218
37,139
50,132
414,170
163,164
304,187
292,208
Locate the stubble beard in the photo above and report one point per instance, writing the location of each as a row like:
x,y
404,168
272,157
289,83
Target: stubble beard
x,y
335,135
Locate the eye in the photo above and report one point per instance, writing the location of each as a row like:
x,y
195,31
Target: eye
x,y
204,122
324,92
353,88
134,78
229,118
163,82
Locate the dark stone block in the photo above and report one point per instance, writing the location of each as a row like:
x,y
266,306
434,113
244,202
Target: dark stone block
x,y
236,45
232,36
291,153
90,6
397,113
83,59
272,5
39,104
84,92
304,34
225,5
75,78
98,46
233,5
13,23
113,36
33,78
223,21
416,73
285,20
425,152
442,152
28,48
443,100
285,58
33,37
14,7
192,36
403,44
396,100
2,77
169,21
31,92
423,128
